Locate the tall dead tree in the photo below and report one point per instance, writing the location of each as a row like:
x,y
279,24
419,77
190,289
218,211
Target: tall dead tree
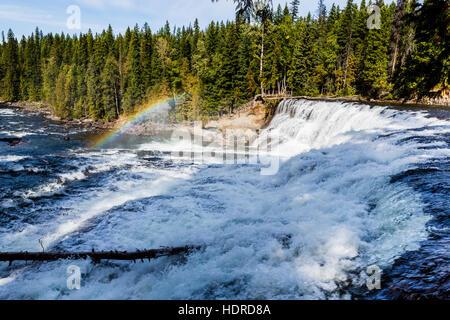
x,y
396,34
262,13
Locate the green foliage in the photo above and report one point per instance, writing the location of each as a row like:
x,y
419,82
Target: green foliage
x,y
294,8
104,76
428,64
134,91
110,85
11,80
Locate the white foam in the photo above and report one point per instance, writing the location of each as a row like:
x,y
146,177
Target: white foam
x,y
12,158
17,134
92,164
149,183
7,112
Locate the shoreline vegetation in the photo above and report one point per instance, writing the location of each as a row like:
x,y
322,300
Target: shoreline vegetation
x,y
254,115
105,78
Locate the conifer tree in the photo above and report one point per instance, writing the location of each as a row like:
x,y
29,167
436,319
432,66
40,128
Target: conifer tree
x,y
427,66
11,81
2,63
263,14
134,89
397,26
104,76
294,8
146,51
111,89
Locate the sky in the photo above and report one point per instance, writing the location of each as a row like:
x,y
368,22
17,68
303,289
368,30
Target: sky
x,y
23,16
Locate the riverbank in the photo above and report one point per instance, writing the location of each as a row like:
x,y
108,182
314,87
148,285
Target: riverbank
x,y
437,100
48,113
246,120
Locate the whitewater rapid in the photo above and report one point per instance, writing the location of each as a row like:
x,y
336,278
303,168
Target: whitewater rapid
x,y
307,232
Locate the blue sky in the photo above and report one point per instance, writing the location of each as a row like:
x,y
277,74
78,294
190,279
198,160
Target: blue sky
x,y
24,15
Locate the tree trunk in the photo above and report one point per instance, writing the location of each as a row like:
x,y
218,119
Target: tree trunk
x,y
117,100
95,256
396,34
261,61
349,43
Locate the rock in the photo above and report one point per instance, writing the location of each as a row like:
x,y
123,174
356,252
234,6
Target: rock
x,y
13,141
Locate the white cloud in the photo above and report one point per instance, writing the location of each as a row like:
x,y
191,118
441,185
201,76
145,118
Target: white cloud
x,y
104,4
11,15
27,14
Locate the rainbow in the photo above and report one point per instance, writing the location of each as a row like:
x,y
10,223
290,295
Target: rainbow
x,y
141,116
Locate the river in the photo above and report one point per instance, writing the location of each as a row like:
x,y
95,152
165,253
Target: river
x,y
354,186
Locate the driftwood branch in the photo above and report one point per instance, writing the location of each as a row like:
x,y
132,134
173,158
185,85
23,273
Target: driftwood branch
x,y
95,256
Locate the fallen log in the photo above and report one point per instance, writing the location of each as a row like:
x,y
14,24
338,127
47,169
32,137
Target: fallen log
x,y
95,256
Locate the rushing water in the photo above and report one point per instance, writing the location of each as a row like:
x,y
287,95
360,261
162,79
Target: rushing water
x,y
357,186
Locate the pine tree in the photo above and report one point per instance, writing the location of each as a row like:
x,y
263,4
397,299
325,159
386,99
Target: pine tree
x,y
294,8
134,89
94,99
110,85
59,97
345,42
427,66
374,75
321,11
2,63
263,14
244,8
229,71
397,26
11,81
300,75
246,64
50,75
146,50
104,76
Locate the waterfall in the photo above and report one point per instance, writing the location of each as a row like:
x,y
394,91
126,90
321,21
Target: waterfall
x,y
302,125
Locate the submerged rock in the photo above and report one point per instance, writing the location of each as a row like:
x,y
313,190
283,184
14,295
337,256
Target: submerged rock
x,y
13,141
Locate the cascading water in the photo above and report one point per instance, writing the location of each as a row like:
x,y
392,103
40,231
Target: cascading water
x,y
341,201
